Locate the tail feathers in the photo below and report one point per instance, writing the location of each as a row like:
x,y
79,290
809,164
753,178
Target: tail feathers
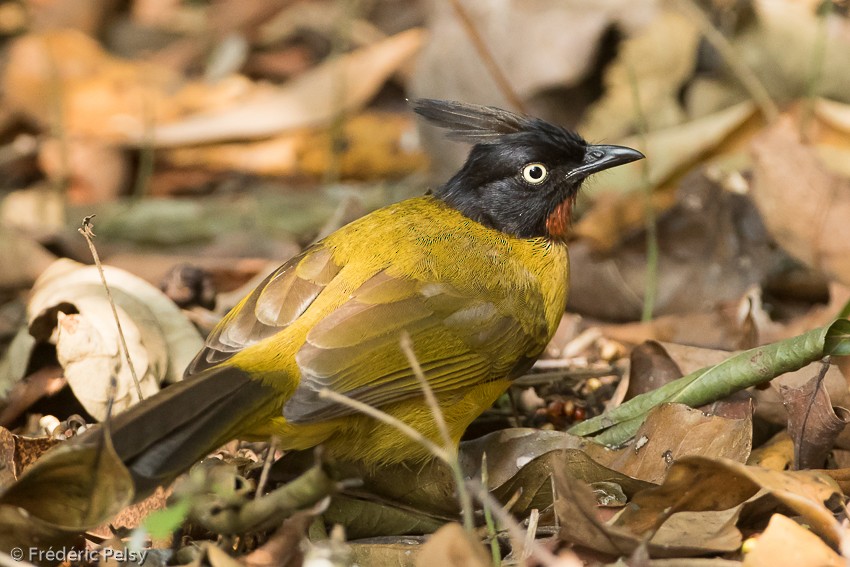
x,y
163,436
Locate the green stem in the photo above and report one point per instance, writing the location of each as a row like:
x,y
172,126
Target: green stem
x,y
816,75
650,290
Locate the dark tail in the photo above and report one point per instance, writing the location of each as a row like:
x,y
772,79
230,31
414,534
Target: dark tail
x,y
164,435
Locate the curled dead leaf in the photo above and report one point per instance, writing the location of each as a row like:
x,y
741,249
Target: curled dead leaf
x,y
69,308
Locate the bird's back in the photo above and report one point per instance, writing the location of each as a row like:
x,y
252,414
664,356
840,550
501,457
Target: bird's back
x,y
479,305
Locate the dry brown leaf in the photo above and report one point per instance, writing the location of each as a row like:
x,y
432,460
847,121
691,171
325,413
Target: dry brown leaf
x,y
84,15
650,367
321,17
310,99
69,490
116,100
580,524
452,546
804,206
674,431
770,406
785,543
284,547
812,421
768,402
516,34
715,329
702,484
134,515
374,147
685,536
18,453
697,533
616,216
171,15
101,96
400,551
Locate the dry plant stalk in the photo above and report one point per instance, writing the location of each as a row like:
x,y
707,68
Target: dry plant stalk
x,y
87,230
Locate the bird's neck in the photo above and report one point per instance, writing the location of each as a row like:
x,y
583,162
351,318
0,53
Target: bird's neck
x,y
559,220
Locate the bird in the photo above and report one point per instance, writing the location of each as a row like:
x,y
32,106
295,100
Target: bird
x,y
475,272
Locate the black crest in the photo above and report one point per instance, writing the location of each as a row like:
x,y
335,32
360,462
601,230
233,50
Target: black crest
x,y
487,124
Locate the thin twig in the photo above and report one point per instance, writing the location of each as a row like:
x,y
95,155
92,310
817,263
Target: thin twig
x,y
495,553
463,495
430,399
267,465
530,533
487,57
147,156
375,413
740,70
507,521
87,230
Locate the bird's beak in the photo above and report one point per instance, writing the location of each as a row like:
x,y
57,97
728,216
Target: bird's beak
x,y
599,158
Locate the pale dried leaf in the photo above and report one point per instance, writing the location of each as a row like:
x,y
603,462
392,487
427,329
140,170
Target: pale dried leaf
x,y
834,113
651,67
312,98
87,347
670,149
779,49
785,543
162,341
38,210
452,546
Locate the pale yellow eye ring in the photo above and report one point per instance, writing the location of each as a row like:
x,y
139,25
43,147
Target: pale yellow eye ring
x,y
535,173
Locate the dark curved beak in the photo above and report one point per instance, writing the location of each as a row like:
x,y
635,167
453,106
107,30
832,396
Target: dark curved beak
x,y
600,158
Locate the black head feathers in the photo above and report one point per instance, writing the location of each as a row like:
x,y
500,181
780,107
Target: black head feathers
x,y
523,173
487,124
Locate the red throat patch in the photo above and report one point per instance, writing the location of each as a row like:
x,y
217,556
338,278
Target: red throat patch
x,y
558,223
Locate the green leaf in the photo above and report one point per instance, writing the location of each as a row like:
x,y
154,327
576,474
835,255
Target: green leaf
x,y
162,523
740,371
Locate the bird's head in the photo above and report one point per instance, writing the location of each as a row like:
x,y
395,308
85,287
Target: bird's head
x,y
523,174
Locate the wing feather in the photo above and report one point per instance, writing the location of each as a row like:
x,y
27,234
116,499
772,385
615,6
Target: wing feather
x,y
273,305
461,339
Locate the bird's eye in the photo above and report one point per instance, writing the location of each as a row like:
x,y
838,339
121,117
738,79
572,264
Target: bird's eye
x,y
535,173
